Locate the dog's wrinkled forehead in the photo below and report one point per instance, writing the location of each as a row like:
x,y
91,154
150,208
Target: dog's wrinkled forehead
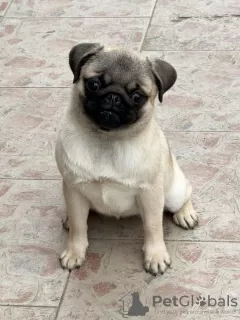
x,y
120,67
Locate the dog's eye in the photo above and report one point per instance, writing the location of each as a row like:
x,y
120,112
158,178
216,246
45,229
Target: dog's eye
x,y
93,84
137,97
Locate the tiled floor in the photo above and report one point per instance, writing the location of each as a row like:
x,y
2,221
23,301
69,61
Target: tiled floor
x,y
201,117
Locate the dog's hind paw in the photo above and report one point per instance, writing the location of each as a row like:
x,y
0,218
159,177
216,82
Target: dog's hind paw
x,y
65,224
187,219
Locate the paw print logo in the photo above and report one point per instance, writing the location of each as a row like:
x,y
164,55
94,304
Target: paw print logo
x,y
201,301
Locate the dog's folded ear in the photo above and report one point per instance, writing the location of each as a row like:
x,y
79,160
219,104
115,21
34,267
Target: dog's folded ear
x,y
165,76
79,55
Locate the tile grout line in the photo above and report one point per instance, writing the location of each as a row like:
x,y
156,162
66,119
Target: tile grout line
x,y
7,10
192,50
74,17
148,25
166,240
23,179
165,131
126,241
62,297
166,21
28,306
203,131
45,87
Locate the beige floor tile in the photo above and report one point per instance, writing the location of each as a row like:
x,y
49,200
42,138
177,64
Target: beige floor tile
x,y
205,95
30,275
180,9
194,34
113,271
4,5
34,52
83,8
27,313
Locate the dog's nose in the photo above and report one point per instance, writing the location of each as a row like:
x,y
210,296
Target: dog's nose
x,y
113,99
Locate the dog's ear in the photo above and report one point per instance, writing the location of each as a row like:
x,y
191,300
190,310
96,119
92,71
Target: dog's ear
x,y
165,76
79,55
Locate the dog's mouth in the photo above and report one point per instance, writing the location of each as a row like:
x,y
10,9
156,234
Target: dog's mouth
x,y
109,120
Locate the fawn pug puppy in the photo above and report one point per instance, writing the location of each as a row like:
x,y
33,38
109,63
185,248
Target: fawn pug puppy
x,y
112,154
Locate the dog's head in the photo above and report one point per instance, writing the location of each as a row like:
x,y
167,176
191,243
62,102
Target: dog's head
x,y
117,88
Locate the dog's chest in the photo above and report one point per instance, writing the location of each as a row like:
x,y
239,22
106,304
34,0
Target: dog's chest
x,y
110,198
109,176
81,162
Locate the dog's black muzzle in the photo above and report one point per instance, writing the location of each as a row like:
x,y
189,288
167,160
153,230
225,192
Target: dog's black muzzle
x,y
109,110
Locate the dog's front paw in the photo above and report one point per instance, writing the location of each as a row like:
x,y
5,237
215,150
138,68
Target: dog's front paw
x,y
73,258
156,258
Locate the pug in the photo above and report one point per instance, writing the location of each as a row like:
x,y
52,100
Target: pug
x,y
112,154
